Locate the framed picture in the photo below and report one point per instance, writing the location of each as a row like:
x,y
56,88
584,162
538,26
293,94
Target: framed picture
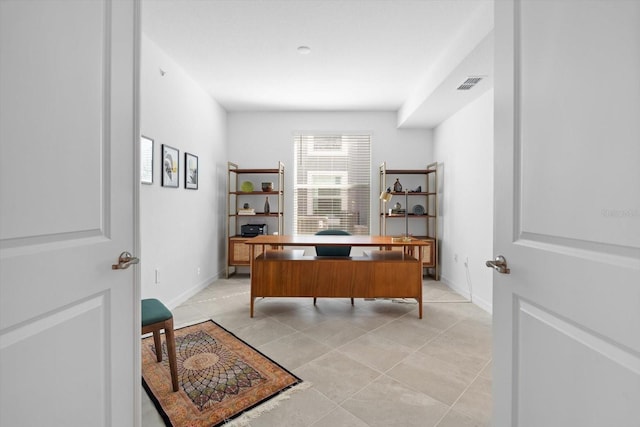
x,y
146,160
170,166
190,171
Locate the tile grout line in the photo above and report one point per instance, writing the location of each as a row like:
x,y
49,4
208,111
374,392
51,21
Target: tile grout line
x,y
449,407
462,394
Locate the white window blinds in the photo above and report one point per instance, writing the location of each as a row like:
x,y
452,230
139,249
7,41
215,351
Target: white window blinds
x,y
332,183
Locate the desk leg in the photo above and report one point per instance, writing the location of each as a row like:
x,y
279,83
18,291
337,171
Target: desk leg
x,y
420,252
251,276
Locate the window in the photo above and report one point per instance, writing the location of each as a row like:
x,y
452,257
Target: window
x,y
332,183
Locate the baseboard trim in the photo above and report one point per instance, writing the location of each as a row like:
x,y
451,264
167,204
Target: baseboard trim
x,y
464,291
184,296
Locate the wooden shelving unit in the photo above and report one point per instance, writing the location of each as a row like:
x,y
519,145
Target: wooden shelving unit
x,y
237,251
420,225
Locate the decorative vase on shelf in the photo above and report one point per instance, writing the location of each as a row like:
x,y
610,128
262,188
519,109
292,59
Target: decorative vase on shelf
x,y
397,187
267,208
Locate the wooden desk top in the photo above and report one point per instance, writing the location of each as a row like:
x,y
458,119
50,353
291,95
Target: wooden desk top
x,y
326,240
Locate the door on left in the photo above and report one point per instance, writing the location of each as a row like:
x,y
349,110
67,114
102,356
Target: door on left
x,y
68,126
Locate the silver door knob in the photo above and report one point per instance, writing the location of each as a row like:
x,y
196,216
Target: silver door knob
x,y
124,261
500,264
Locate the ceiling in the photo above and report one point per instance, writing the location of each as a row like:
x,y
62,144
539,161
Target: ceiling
x,y
407,56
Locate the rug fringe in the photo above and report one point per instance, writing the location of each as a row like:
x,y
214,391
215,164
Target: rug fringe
x,y
244,419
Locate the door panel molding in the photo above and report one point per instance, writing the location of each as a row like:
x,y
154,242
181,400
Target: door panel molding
x,y
517,120
591,219
621,355
19,245
40,324
107,35
48,242
621,256
557,364
80,364
56,216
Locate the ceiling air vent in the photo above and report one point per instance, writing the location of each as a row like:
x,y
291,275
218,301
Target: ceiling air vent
x,y
469,83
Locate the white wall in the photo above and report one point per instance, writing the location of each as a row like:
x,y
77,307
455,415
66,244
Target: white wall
x,y
464,148
181,230
261,139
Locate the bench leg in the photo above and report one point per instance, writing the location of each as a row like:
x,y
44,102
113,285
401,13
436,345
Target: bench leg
x,y
171,349
158,344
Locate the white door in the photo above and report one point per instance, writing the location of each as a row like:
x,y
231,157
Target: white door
x,y
68,117
567,213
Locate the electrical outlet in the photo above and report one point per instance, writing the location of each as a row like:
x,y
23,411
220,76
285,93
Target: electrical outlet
x,y
198,271
157,275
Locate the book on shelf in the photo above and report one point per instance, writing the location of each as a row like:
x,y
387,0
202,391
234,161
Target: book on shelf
x,y
246,211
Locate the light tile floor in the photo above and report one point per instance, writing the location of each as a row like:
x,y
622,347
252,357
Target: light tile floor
x,y
372,364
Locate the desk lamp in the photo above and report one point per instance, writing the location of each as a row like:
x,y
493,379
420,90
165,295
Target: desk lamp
x,y
385,196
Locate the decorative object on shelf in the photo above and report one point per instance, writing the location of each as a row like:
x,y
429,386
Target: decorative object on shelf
x,y
246,186
418,210
246,206
267,186
418,189
190,171
267,208
397,187
170,166
397,209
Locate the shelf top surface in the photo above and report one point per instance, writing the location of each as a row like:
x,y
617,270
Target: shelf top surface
x,y
409,171
411,214
255,193
327,240
254,170
412,193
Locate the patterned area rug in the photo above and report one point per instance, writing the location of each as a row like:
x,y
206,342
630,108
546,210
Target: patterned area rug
x,y
220,377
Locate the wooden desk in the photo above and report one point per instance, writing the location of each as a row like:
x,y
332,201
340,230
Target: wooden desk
x,y
380,274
